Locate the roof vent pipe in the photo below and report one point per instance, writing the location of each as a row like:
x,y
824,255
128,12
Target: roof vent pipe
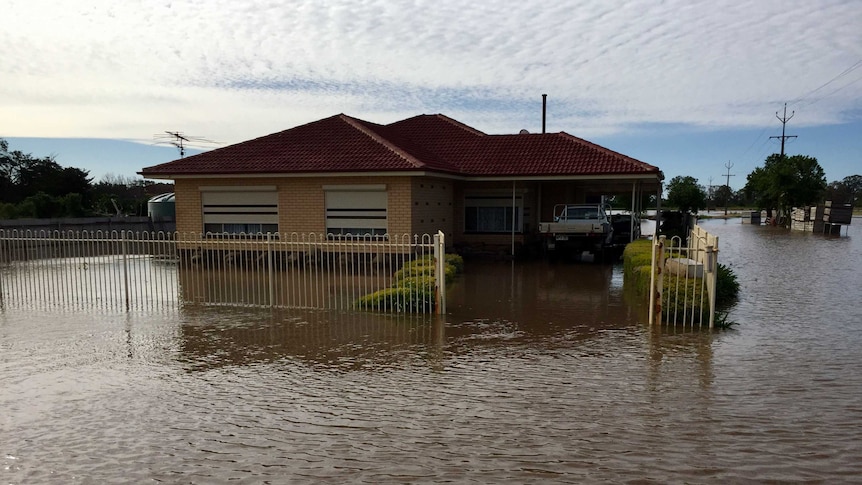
x,y
544,110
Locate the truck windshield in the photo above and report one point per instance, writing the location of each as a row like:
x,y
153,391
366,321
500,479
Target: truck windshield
x,y
581,213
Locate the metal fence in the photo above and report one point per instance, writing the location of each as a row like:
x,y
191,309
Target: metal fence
x,y
684,278
283,270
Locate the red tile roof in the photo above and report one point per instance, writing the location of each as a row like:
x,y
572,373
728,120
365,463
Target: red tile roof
x,y
431,143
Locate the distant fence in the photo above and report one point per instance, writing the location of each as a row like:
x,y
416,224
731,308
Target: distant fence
x,y
91,224
155,269
684,278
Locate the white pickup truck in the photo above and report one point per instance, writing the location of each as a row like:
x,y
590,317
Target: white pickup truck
x,y
577,228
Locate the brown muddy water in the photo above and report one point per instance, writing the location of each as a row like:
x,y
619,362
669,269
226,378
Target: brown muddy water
x,y
540,373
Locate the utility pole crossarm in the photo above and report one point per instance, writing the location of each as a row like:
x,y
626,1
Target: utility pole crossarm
x,y
784,121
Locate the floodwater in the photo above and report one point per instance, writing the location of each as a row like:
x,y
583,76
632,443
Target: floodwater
x,y
540,373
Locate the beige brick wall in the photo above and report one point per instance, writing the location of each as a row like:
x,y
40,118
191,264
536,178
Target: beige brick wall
x,y
416,205
188,206
301,201
433,207
399,192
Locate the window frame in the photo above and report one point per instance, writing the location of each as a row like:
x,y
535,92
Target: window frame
x,y
489,203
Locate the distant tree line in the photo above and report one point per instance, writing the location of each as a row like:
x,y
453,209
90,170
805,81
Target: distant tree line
x,y
783,182
32,187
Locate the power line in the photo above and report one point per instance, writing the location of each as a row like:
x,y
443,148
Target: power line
x,y
783,137
843,73
821,98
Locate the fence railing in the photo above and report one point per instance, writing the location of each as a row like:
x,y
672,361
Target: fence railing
x,y
684,278
141,269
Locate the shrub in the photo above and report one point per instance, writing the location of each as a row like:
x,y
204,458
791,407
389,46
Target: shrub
x,y
398,299
414,287
637,263
726,286
682,297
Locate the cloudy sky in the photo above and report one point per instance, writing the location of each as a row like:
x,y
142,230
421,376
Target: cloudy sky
x,y
686,85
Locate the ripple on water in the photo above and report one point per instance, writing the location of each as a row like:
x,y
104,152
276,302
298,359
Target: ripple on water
x,y
565,387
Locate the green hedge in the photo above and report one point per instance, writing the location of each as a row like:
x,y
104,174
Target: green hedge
x,y
637,264
413,290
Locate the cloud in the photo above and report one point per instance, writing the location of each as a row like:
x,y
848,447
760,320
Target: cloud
x,y
233,70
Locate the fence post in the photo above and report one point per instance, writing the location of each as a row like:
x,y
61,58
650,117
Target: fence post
x,y
656,280
269,269
711,275
440,272
4,248
125,267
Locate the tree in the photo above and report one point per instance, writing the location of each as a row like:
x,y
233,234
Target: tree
x,y
785,182
723,195
127,194
41,187
686,194
846,191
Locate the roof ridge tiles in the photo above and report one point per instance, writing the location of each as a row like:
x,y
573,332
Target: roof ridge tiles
x,y
458,124
360,125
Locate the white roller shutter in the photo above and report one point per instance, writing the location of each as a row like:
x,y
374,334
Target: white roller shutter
x,y
356,212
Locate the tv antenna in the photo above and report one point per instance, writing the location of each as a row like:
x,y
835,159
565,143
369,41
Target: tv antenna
x,y
181,141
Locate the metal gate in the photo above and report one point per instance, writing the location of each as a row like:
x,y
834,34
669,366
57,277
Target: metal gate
x,y
152,270
683,281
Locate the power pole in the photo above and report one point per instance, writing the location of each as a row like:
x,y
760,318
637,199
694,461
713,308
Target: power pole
x,y
710,191
729,165
784,121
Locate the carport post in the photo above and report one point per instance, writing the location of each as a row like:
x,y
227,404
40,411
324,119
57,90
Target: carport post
x,y
634,198
513,219
657,210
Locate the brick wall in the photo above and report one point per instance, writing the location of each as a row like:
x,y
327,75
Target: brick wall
x,y
433,207
301,201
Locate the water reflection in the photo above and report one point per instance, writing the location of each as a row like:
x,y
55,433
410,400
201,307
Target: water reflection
x,y
667,344
218,337
538,294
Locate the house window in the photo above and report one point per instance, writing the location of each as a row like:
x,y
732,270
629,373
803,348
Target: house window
x,y
356,210
492,213
240,210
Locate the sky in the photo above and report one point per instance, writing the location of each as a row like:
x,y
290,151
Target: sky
x,y
687,85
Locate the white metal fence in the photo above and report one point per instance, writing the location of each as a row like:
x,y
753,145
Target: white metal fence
x,y
684,278
145,270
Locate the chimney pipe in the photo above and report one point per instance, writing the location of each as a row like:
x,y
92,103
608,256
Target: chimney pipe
x,y
544,110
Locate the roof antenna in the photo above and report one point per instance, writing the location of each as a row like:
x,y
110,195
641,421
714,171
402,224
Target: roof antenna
x,y
180,140
544,110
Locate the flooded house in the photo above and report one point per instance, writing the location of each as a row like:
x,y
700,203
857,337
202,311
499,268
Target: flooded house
x,y
343,177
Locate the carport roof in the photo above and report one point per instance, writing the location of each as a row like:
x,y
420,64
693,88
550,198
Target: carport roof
x,y
424,143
